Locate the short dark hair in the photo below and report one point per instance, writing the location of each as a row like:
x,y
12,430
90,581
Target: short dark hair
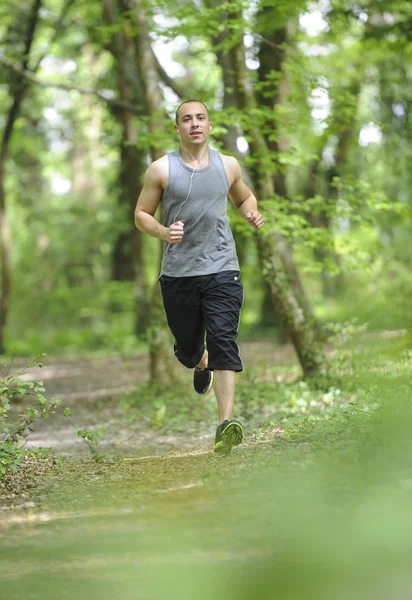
x,y
187,102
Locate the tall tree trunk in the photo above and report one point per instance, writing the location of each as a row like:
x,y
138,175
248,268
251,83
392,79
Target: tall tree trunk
x,y
162,362
344,127
229,140
128,260
272,55
299,327
5,246
5,249
296,320
230,137
127,256
86,183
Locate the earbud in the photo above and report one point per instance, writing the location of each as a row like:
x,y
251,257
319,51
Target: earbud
x,y
177,131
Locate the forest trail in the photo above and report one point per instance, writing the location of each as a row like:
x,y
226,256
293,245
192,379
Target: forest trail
x,y
165,516
94,389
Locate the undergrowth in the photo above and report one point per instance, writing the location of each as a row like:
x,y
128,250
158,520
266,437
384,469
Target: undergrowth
x,y
315,504
269,404
16,425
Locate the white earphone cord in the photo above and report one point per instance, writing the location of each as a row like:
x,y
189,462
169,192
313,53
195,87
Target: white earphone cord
x,y
168,245
191,178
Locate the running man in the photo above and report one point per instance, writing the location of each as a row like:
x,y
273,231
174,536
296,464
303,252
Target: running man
x,y
200,279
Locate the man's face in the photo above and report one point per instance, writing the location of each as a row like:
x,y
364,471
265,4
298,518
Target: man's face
x,y
194,125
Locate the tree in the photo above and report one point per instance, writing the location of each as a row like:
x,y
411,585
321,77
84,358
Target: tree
x,y
161,368
127,258
24,34
278,267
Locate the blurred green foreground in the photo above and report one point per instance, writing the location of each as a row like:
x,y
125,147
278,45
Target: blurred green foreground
x,y
321,510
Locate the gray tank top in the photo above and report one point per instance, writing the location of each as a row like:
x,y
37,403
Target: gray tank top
x,y
207,245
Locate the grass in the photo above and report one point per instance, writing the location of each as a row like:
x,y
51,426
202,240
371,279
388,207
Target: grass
x,y
315,504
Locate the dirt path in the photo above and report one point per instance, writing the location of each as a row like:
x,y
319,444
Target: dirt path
x,y
92,389
299,517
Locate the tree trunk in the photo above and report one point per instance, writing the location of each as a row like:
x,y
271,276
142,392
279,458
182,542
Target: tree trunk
x,y
269,318
5,244
299,327
271,248
127,256
229,138
162,370
272,55
344,125
5,249
86,183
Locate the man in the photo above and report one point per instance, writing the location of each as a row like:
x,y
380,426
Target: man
x,y
200,279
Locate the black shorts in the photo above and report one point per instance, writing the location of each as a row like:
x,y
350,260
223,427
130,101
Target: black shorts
x,y
202,304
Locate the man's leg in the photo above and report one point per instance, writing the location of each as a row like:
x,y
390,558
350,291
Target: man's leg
x,y
184,317
222,300
229,432
224,386
204,362
203,377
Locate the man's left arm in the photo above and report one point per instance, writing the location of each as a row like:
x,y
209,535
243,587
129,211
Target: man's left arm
x,y
242,197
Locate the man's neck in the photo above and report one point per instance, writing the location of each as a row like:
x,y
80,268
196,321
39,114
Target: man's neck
x,y
196,156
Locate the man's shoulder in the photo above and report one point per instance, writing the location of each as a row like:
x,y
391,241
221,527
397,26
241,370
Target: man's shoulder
x,y
228,159
231,163
159,166
161,162
157,172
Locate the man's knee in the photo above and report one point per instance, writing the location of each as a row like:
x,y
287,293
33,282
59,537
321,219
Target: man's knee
x,y
224,354
189,357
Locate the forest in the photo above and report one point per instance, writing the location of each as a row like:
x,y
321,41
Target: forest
x,y
313,98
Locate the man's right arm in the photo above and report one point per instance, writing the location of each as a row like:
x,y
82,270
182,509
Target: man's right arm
x,y
147,204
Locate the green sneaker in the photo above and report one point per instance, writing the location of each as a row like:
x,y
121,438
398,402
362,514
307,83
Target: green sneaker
x,y
228,434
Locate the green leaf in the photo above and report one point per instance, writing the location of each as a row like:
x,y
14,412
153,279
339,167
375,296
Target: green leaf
x,y
160,416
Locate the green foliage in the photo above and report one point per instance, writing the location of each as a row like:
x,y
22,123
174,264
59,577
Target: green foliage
x,y
266,400
14,389
377,295
168,409
97,318
15,430
11,456
92,440
63,241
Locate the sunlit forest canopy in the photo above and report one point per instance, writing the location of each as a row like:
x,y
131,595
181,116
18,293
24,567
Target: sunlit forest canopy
x,y
312,97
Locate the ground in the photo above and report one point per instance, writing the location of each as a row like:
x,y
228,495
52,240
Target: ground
x,y
314,505
94,390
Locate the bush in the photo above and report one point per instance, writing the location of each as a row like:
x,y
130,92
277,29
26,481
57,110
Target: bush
x,y
14,430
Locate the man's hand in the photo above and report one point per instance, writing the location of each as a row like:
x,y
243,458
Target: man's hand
x,y
175,232
255,219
